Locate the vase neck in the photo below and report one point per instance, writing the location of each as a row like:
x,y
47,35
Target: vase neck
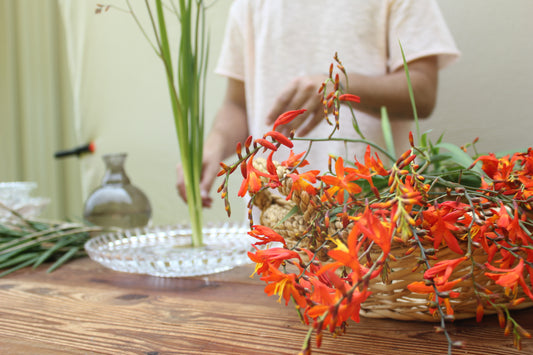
x,y
115,173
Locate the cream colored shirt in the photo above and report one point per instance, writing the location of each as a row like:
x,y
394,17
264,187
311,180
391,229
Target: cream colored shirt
x,y
269,42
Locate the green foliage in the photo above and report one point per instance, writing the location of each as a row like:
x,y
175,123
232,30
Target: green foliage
x,y
25,242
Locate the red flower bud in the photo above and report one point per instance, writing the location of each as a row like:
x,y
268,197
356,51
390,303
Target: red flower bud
x,y
268,145
287,117
280,138
350,97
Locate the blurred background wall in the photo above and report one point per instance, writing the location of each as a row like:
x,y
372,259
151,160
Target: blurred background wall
x,y
68,76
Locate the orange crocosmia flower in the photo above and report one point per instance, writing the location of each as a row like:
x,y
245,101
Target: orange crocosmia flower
x,y
421,287
318,311
294,160
510,278
441,221
345,255
512,226
370,168
527,164
526,192
303,181
266,235
284,285
323,293
377,230
271,256
286,117
441,271
489,164
352,308
335,316
375,163
273,178
343,181
252,181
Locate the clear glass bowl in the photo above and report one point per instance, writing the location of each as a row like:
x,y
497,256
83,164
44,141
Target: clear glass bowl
x,y
16,196
14,192
166,251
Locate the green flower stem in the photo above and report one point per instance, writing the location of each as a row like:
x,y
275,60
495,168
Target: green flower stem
x,y
347,140
411,92
186,99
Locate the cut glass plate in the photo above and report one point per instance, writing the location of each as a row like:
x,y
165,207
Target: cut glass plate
x,y
167,251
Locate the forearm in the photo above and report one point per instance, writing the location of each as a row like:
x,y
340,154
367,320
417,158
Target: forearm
x,y
391,90
230,125
229,128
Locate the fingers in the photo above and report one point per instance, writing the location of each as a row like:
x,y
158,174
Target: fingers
x,y
209,172
180,184
207,201
311,123
281,103
301,93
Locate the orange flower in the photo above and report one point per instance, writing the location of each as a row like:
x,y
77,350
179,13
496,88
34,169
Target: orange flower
x,y
510,278
489,164
371,167
294,161
512,225
441,221
421,287
252,181
336,313
271,257
372,227
266,235
303,181
343,181
284,285
373,163
441,271
346,255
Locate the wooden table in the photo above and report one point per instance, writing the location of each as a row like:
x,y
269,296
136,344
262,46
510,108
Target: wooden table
x,y
84,308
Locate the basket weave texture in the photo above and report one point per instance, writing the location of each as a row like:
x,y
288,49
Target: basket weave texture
x,y
390,298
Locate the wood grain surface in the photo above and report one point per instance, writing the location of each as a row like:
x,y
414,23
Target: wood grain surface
x,y
84,308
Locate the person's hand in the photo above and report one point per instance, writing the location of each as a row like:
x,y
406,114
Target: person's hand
x,y
210,168
301,93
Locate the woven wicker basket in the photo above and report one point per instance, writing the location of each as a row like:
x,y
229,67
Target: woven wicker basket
x,y
389,299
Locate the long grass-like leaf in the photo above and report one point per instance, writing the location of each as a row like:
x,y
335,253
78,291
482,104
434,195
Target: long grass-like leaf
x,y
411,93
50,251
459,156
19,259
9,255
63,259
387,132
18,267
